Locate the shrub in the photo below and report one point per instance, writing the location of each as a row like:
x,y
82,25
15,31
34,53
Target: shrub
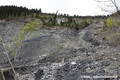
x,y
84,23
111,32
32,25
110,22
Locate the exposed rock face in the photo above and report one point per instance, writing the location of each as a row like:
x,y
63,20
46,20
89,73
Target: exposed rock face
x,y
63,54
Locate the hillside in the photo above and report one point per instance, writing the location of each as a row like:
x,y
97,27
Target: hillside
x,y
62,53
55,47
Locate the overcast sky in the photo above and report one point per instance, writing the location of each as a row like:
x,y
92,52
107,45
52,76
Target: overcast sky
x,y
78,7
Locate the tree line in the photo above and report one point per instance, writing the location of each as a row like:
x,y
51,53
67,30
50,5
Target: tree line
x,y
15,11
8,12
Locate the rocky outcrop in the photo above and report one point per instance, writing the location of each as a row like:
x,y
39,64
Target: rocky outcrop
x,y
62,54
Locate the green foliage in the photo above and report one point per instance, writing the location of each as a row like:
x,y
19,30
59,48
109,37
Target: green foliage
x,y
31,26
111,22
42,18
111,32
60,45
20,36
13,52
76,24
84,23
17,40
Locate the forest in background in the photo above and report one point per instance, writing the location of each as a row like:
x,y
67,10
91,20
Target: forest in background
x,y
8,12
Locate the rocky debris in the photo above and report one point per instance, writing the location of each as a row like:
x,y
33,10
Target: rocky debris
x,y
62,54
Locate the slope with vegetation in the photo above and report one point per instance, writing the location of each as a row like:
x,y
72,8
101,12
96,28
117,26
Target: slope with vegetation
x,y
48,19
43,46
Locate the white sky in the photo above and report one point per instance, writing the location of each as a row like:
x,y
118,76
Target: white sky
x,y
78,7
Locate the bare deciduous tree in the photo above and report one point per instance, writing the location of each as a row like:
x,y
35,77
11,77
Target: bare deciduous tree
x,y
109,6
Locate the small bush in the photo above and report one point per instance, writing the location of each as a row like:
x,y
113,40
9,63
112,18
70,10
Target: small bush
x,y
111,32
32,25
85,23
111,22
